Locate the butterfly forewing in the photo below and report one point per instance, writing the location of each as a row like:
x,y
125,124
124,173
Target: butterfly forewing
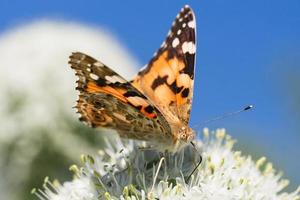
x,y
168,78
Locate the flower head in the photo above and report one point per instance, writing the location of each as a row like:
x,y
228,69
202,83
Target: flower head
x,y
124,170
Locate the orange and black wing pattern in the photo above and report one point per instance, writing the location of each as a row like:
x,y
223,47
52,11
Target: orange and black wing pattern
x,y
108,100
168,78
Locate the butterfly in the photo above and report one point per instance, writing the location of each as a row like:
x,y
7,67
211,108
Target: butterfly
x,y
155,106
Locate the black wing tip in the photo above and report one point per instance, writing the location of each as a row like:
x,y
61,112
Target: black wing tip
x,y
186,8
185,15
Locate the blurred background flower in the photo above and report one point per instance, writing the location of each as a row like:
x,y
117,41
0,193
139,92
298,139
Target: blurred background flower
x,y
39,132
248,52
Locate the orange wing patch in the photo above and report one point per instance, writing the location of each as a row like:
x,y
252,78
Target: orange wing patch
x,y
117,92
168,78
161,83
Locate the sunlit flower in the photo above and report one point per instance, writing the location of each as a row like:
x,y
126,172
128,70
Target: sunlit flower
x,y
124,170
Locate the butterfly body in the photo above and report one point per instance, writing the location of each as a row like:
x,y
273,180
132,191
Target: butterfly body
x,y
154,106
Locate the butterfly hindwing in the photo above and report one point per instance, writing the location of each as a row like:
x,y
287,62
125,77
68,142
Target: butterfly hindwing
x,y
108,100
168,78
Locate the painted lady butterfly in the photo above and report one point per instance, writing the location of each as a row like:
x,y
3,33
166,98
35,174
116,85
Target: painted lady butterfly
x,y
154,106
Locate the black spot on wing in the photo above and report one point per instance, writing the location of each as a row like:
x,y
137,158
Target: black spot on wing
x,y
149,109
159,81
101,82
132,94
175,88
189,68
185,92
163,80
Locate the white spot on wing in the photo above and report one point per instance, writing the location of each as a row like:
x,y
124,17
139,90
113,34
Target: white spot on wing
x,y
175,42
178,32
188,47
192,24
184,25
98,64
94,76
114,79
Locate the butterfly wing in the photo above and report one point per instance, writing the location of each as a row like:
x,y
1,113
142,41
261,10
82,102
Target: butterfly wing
x,y
168,78
108,100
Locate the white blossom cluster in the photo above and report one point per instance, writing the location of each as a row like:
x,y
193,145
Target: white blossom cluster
x,y
123,170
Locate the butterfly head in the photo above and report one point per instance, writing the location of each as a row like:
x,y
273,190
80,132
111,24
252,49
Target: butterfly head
x,y
186,134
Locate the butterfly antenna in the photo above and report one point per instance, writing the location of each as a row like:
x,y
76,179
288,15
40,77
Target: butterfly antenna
x,y
230,114
200,161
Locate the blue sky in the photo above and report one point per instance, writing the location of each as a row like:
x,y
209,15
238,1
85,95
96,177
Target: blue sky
x,y
244,49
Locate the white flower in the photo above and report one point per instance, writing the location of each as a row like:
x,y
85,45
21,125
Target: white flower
x,y
124,171
78,189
